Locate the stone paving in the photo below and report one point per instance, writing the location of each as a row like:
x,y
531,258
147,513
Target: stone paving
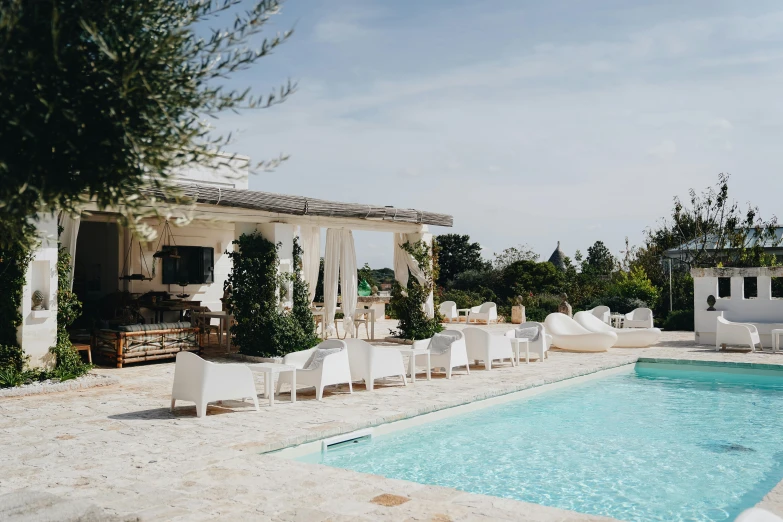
x,y
119,448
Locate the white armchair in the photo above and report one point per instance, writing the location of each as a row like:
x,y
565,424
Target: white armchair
x,y
639,318
454,357
448,309
329,367
741,334
370,362
486,313
602,312
200,381
483,346
541,345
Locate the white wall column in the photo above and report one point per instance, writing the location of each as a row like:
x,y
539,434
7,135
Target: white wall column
x,y
38,331
282,235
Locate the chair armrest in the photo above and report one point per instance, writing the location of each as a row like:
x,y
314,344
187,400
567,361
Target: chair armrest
x,y
298,359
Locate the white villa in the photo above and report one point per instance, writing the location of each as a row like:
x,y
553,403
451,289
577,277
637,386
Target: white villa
x,y
107,259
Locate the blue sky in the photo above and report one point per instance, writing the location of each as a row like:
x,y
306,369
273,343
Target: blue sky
x,y
528,121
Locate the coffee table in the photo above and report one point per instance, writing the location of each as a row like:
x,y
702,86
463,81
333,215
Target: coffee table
x,y
776,333
269,370
515,342
413,353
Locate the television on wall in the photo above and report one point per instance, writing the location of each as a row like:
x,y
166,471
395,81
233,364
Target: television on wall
x,y
194,265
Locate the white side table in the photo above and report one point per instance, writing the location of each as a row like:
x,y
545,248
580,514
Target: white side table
x,y
776,333
515,345
461,312
413,353
269,370
617,320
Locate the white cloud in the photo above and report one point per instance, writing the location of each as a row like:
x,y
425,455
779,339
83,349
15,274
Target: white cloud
x,y
664,150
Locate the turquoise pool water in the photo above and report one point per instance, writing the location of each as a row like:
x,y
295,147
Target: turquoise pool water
x,y
657,443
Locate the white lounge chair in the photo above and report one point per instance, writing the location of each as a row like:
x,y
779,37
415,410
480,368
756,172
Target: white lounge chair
x,y
455,356
200,381
742,334
485,313
329,367
602,312
541,345
370,362
448,309
570,336
639,318
483,346
626,337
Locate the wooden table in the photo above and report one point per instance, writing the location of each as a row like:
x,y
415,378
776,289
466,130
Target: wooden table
x,y
223,327
270,370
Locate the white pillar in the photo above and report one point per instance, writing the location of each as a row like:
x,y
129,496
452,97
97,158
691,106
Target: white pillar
x,y
764,286
737,287
38,331
282,235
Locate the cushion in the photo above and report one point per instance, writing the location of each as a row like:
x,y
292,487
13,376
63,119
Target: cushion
x,y
153,326
441,343
317,359
530,333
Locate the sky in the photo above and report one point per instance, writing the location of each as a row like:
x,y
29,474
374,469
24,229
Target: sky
x,y
529,122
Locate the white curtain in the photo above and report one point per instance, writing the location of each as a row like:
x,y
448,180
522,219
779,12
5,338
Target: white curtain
x,y
403,262
348,281
331,274
68,239
310,239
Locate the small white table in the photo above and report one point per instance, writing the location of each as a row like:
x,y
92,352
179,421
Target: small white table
x,y
224,325
461,311
776,333
617,320
515,342
413,353
269,370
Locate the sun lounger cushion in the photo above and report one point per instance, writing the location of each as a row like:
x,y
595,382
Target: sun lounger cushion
x,y
530,334
153,326
317,359
440,343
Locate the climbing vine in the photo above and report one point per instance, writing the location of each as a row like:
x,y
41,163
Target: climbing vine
x,y
408,303
263,328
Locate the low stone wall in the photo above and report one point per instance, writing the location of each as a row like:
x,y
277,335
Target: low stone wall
x,y
90,380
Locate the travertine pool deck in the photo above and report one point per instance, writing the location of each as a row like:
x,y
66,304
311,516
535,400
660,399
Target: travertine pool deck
x,y
120,449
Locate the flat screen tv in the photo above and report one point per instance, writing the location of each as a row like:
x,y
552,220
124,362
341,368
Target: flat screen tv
x,y
195,265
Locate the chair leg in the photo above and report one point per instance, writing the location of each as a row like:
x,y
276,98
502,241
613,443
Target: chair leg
x,y
488,364
448,372
201,410
255,400
404,379
172,405
350,387
467,368
319,393
369,384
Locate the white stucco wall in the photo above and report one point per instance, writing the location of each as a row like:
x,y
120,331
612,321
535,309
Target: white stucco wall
x,y
216,235
38,331
764,311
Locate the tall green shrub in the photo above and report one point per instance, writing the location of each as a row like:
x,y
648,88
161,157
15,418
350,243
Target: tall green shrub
x,y
408,303
68,363
262,328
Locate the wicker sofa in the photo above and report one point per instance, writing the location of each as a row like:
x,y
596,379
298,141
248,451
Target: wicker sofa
x,y
144,342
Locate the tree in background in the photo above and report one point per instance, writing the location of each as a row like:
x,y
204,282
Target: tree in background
x,y
456,254
599,261
514,254
366,273
99,95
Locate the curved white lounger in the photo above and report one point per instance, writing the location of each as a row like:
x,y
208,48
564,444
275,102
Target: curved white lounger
x,y
626,337
570,336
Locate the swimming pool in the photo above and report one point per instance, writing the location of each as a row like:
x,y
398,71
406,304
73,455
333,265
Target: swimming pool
x,y
659,442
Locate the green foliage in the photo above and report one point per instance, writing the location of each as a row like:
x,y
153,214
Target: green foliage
x,y
12,356
599,261
262,328
512,255
14,260
408,303
68,363
526,277
537,307
456,254
636,285
366,273
96,95
478,280
679,320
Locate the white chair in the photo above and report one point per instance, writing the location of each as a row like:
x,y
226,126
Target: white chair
x,y
200,381
483,346
487,313
541,345
626,337
757,515
448,309
370,362
639,318
570,336
741,334
602,312
319,370
455,356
